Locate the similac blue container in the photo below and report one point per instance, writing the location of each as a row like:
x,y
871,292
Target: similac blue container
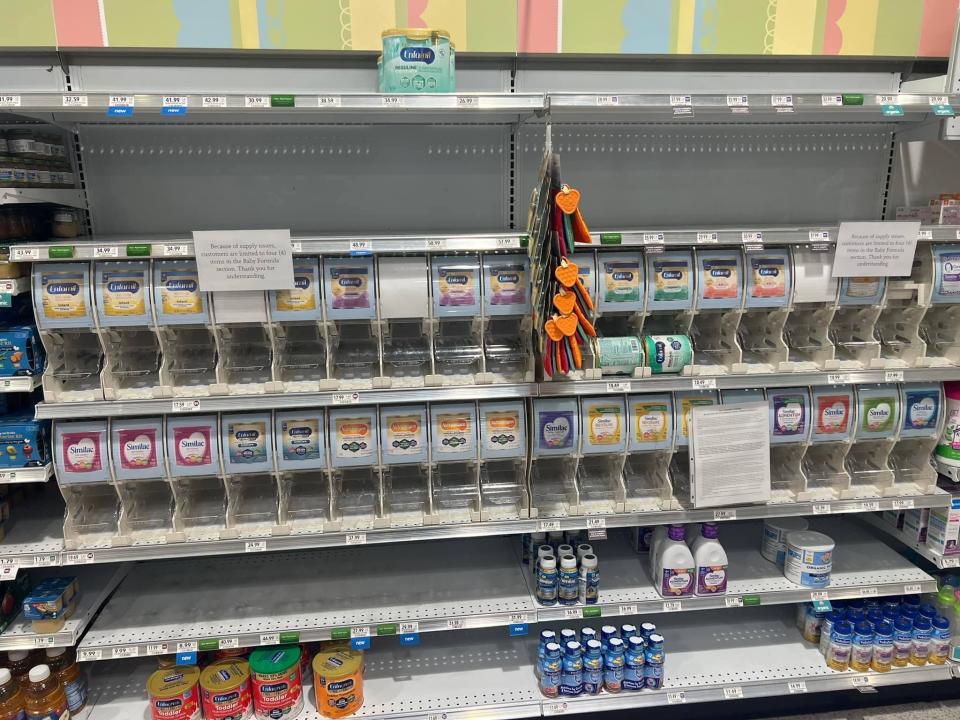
x,y
556,424
921,409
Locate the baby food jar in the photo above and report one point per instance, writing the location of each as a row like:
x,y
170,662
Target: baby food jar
x,y
65,224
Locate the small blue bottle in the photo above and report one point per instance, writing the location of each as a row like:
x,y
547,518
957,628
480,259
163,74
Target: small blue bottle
x,y
902,641
571,673
586,635
874,616
920,652
607,633
646,630
633,662
928,611
569,581
628,631
613,666
567,635
547,581
550,671
546,636
653,662
593,668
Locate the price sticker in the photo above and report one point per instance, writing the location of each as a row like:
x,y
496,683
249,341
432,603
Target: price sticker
x,y
596,523
733,693
902,504
360,247
89,655
681,101
733,601
437,716
950,562
468,101
831,100
797,686
255,546
572,613
751,238
912,589
838,378
435,244
9,101
925,235
728,514
672,606
355,539
45,560
120,105
819,595
360,631
178,103
938,100
508,243
24,253
868,592
256,101
455,624
517,618
407,628
187,646
782,102
329,101
623,386
8,571
556,708
78,558
888,99
676,698
228,643
44,641
73,101
106,251
179,406
822,509
178,250
860,680
548,525
893,376
130,651
345,398
628,609
818,236
607,100
157,649
871,506
653,238
707,238
213,101
270,638
392,101
738,101
703,383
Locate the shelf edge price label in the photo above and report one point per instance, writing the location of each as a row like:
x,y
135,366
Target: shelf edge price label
x,y
45,560
519,618
228,643
178,250
9,101
703,383
622,386
751,238
121,105
938,100
831,100
733,601
468,101
360,247
860,681
255,546
392,101
256,101
572,614
822,509
78,558
157,649
45,641
870,506
730,514
681,101
888,99
8,571
707,238
893,376
782,102
125,652
596,523
868,592
653,238
912,589
329,101
817,236
213,101
18,253
345,398
838,378
925,235
435,244
555,708
355,539
409,628
819,596
672,606
950,562
90,655
179,406
628,609
106,251
174,104
456,624
187,646
548,525
676,698
508,243
902,504
733,693
797,686
270,639
75,101
607,100
738,101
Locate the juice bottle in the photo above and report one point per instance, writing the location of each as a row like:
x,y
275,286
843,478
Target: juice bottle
x,y
45,699
63,665
11,697
19,662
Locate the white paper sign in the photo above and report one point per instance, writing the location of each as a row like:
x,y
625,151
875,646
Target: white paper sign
x,y
875,249
234,260
729,455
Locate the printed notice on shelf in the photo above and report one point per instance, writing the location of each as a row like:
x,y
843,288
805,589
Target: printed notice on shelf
x,y
875,249
244,259
729,455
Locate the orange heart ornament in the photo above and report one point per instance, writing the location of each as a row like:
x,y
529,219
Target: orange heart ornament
x,y
567,273
553,332
568,199
567,324
564,302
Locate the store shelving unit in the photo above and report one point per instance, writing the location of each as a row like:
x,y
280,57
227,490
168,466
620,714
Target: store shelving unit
x,y
885,529
17,195
27,475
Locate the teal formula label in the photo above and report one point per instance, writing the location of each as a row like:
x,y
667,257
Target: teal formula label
x,y
619,355
668,353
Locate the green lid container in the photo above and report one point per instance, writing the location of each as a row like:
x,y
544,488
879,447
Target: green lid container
x,y
274,659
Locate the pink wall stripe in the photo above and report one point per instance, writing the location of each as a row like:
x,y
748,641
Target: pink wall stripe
x,y
936,28
415,10
78,23
537,26
832,34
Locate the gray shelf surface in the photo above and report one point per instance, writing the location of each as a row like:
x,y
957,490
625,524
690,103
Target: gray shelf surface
x,y
886,529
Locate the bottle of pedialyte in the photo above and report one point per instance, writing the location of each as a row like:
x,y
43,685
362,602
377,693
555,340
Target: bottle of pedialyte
x,y
193,446
247,441
742,397
403,434
350,288
604,424
81,452
878,411
456,285
61,295
302,302
353,437
503,429
789,414
921,404
946,270
720,281
556,426
676,569
769,278
651,422
832,418
621,283
121,293
670,281
300,439
684,402
862,290
137,448
506,284
176,293
586,263
453,432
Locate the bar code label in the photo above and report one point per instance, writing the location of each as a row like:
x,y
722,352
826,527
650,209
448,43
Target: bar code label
x,y
270,639
554,708
345,398
822,509
45,560
902,504
630,609
675,698
600,534
255,546
619,387
355,539
605,100
228,643
831,100
781,101
572,613
729,514
732,602
175,101
732,693
75,101
797,686
707,383
121,101
888,99
178,250
45,641
214,101
653,238
860,680
187,646
938,100
125,652
157,649
912,589
256,101
106,251
407,628
816,236
518,618
707,238
681,101
508,243
89,655
179,406
950,562
925,235
819,595
672,606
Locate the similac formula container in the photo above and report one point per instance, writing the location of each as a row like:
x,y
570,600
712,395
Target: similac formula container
x,y
586,263
349,288
299,437
225,690
946,271
720,279
173,693
675,567
670,281
862,290
121,293
620,278
456,285
921,404
353,437
832,418
742,396
453,432
61,295
809,559
176,293
619,355
302,302
80,452
769,278
192,445
556,426
403,434
947,454
667,353
789,414
247,442
773,546
651,422
338,681
503,429
137,448
506,284
878,411
604,425
684,402
277,685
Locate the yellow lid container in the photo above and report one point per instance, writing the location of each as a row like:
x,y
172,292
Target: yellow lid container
x,y
338,681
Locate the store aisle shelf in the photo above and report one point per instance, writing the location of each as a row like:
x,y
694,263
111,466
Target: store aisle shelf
x,y
885,528
15,195
37,533
483,674
96,584
26,475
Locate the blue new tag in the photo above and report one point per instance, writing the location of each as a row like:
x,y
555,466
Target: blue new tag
x,y
360,643
518,629
119,111
891,110
173,110
410,639
187,658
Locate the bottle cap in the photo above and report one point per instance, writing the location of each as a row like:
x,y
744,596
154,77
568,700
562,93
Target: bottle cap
x,y
553,648
843,627
39,673
636,642
5,676
573,648
883,628
567,635
709,530
564,549
903,623
589,560
615,642
922,623
656,639
568,562
55,652
675,532
864,628
584,549
17,655
941,623
547,636
548,562
928,610
593,645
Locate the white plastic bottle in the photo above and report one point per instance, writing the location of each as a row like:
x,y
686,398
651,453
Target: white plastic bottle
x,y
657,537
676,570
711,562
